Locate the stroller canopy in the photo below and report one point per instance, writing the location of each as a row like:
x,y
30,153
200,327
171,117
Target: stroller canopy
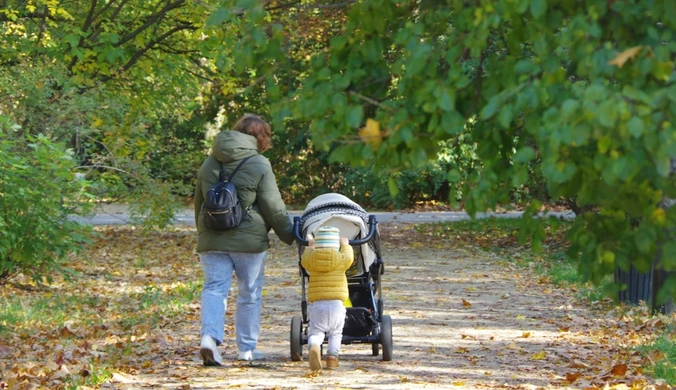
x,y
337,210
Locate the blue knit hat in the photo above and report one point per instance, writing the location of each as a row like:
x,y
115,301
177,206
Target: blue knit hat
x,y
327,237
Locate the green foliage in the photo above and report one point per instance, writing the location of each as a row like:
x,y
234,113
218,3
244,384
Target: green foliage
x,y
368,188
38,191
105,78
553,88
536,101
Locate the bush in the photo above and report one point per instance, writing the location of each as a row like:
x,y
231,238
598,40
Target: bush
x,y
38,193
370,189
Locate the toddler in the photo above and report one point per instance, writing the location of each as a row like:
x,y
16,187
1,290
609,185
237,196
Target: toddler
x,y
326,259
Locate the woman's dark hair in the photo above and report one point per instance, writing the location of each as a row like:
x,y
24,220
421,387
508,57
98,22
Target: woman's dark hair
x,y
255,126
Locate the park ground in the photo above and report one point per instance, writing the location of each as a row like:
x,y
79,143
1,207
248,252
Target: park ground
x,y
463,318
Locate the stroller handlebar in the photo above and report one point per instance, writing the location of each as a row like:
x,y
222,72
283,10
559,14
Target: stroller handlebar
x,y
372,230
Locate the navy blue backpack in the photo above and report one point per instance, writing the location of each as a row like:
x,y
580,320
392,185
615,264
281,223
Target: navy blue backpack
x,y
222,209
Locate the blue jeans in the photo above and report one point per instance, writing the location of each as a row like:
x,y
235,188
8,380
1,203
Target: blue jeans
x,y
218,268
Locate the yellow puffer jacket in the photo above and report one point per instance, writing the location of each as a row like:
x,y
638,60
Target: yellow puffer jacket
x,y
327,268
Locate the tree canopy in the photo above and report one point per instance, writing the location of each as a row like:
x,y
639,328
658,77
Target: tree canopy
x,y
561,91
562,87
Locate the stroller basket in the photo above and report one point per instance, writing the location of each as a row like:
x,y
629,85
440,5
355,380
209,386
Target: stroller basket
x,y
364,321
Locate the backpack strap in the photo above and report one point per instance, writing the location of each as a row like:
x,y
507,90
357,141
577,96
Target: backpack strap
x,y
237,168
221,176
221,172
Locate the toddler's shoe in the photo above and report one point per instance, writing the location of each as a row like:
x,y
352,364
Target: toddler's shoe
x,y
209,352
332,362
250,355
315,358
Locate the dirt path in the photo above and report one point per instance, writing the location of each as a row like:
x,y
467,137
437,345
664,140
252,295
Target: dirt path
x,y
461,319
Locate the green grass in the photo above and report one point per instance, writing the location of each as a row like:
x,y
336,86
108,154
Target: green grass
x,y
96,377
16,312
663,348
153,303
180,295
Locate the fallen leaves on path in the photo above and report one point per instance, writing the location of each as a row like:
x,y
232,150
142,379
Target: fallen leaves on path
x,y
462,318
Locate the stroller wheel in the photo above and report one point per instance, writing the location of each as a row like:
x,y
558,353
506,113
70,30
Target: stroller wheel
x,y
386,337
296,341
375,349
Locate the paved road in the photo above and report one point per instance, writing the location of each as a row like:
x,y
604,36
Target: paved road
x,y
185,217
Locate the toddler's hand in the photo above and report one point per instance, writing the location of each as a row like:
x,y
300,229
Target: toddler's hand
x,y
344,241
311,242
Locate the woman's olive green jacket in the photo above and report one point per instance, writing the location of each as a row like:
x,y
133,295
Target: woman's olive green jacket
x,y
256,184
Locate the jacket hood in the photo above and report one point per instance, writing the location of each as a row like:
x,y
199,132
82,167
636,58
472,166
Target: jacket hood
x,y
230,145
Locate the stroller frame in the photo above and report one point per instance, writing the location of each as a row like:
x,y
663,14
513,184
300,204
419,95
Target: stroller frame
x,y
362,288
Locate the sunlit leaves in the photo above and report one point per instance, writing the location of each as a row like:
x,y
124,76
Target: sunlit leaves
x,y
37,235
621,58
371,133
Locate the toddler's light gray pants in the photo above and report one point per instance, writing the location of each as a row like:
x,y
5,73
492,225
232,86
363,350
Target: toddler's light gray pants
x,y
327,318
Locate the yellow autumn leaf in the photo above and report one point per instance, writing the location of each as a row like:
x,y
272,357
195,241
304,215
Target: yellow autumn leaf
x,y
466,304
370,133
525,335
459,383
539,356
659,216
312,374
625,56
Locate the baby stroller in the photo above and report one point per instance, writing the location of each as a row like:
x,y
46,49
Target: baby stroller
x,y
364,321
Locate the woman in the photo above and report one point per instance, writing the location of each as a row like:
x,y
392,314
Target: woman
x,y
241,250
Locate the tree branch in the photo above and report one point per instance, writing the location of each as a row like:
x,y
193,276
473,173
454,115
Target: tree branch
x,y
479,82
338,5
197,75
283,6
134,58
100,166
247,88
118,10
151,20
97,30
90,16
311,6
104,8
85,26
41,34
170,50
372,101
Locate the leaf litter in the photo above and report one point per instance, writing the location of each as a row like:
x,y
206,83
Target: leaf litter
x,y
131,320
